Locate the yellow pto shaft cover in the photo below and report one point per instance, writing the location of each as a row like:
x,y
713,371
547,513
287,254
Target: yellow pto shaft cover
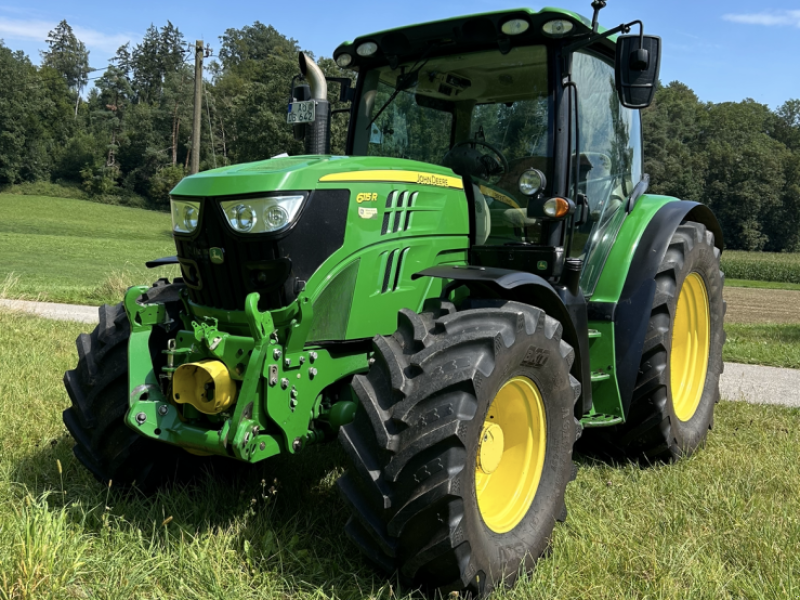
x,y
206,385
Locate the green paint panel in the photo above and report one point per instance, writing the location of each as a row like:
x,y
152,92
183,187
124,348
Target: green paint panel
x,y
612,279
606,400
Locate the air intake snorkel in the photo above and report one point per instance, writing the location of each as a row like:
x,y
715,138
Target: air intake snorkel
x,y
318,133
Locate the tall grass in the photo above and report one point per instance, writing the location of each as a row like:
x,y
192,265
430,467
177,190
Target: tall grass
x,y
7,285
761,266
722,524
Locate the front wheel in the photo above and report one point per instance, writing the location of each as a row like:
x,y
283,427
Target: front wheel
x,y
462,446
98,390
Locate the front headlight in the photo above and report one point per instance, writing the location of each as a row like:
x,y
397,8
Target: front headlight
x,y
185,215
262,215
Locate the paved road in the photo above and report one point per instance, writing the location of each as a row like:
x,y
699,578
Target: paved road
x,y
50,310
760,385
754,384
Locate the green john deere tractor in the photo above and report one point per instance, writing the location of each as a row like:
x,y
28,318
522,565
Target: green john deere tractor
x,y
481,279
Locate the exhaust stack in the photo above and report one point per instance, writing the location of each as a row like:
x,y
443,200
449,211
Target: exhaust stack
x,y
318,133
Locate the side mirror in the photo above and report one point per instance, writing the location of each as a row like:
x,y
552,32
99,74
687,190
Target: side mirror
x,y
637,66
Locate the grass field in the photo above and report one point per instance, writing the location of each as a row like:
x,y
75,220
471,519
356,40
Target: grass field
x,y
770,345
65,250
723,524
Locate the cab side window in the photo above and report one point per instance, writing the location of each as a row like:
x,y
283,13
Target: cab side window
x,y
610,162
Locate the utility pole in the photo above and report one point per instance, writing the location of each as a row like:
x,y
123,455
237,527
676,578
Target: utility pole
x,y
198,106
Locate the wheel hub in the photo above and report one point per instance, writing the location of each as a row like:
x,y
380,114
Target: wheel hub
x,y
490,451
691,338
510,454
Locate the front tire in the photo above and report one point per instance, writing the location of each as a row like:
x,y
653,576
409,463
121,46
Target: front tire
x,y
98,390
462,447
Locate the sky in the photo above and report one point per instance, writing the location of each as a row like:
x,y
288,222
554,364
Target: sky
x,y
724,50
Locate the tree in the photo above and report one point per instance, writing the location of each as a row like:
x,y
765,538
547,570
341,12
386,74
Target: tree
x,y
34,123
672,126
253,44
160,53
68,56
787,124
745,175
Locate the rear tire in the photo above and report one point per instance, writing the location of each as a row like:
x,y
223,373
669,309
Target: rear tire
x,y
98,390
417,436
666,421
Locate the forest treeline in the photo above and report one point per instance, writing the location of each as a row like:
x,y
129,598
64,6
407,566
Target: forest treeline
x,y
128,138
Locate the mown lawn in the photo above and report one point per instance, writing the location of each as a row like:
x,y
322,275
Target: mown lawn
x,y
64,250
769,345
723,524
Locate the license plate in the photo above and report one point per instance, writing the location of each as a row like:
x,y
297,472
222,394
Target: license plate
x,y
301,112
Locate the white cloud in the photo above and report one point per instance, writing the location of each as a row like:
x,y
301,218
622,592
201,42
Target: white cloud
x,y
38,29
780,18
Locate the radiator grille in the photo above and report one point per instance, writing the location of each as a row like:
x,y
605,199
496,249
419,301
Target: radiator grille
x,y
275,266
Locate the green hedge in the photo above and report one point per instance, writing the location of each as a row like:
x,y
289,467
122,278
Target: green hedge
x,y
761,266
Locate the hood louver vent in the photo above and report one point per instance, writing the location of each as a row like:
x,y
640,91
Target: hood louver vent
x,y
397,216
394,270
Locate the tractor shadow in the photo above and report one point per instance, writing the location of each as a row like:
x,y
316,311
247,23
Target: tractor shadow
x,y
284,515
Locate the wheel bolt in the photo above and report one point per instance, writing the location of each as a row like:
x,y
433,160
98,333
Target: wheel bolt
x,y
141,418
163,410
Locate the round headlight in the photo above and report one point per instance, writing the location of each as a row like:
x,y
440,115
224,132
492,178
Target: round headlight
x,y
515,26
275,217
190,215
531,182
557,28
244,218
344,60
367,49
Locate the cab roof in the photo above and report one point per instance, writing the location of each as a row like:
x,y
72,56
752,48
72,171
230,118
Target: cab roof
x,y
461,34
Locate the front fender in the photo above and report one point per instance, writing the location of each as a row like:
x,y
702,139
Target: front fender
x,y
521,286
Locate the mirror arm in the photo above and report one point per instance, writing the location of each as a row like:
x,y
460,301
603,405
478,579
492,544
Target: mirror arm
x,y
346,92
588,41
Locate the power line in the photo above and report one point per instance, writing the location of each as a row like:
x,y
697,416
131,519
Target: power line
x,y
45,79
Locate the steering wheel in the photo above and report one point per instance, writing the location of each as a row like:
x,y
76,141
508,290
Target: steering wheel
x,y
472,162
495,149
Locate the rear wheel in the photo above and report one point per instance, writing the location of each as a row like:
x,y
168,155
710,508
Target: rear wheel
x,y
98,390
677,387
462,446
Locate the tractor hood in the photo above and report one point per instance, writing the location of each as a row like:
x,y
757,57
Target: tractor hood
x,y
302,173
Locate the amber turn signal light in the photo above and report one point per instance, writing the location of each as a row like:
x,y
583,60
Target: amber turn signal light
x,y
555,208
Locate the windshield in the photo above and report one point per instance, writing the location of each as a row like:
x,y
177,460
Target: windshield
x,y
455,110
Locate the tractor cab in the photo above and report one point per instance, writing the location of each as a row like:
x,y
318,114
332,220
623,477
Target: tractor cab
x,y
525,107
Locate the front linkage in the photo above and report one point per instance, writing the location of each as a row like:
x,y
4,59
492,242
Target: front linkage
x,y
283,396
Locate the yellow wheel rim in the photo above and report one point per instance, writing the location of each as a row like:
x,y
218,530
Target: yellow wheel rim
x,y
510,455
691,339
